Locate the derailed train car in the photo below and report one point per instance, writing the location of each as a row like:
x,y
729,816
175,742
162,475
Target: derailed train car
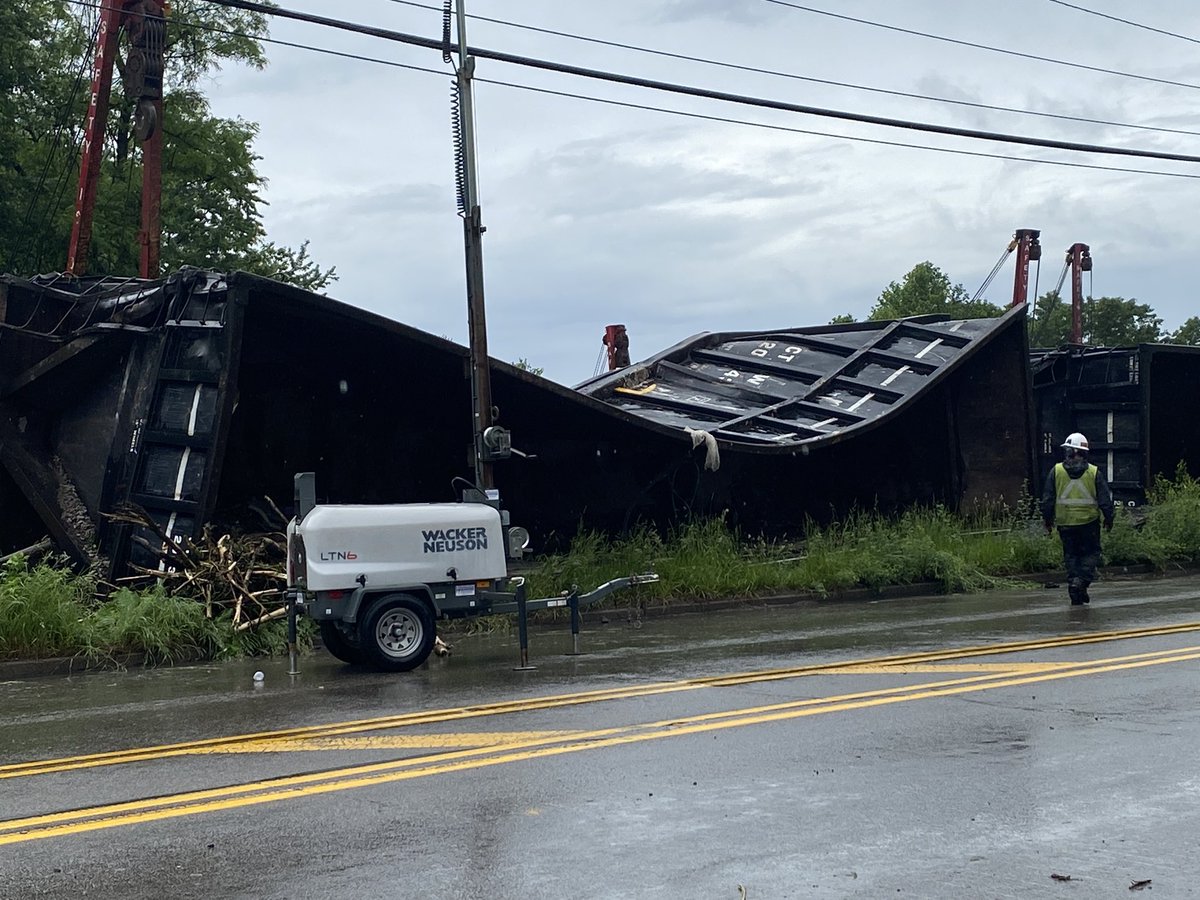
x,y
1137,406
197,396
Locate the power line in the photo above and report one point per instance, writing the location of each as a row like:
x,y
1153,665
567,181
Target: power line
x,y
675,112
962,43
61,137
328,51
666,111
1092,12
705,93
806,78
826,134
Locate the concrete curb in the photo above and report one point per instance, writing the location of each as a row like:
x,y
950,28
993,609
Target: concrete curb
x,y
15,669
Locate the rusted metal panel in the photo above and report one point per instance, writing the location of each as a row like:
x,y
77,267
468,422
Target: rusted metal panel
x,y
207,392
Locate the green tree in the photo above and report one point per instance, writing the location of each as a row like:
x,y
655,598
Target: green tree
x,y
212,193
1188,332
1049,321
1116,322
525,366
1105,321
927,290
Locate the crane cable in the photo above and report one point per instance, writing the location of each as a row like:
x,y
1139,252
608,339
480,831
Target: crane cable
x,y
1062,277
992,274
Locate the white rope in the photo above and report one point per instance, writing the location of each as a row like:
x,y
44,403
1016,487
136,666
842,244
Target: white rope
x,y
712,457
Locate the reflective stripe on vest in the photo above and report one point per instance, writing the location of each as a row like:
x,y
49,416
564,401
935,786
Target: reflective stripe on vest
x,y
1076,503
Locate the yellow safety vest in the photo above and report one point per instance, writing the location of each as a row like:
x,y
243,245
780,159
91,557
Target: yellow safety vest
x,y
1076,503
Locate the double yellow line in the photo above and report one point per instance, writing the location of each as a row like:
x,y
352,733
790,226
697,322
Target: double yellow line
x,y
552,743
453,714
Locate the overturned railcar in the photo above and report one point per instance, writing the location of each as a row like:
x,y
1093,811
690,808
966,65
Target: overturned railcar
x,y
810,422
198,396
1136,405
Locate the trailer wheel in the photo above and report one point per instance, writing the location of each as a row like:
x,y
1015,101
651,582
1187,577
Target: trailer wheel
x,y
397,633
341,641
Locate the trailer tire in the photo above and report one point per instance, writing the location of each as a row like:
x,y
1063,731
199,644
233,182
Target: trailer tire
x,y
341,641
397,633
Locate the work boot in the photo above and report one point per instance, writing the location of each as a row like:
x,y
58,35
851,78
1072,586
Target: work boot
x,y
1083,592
1076,592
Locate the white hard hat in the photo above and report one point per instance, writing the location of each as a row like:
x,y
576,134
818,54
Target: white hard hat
x,y
1076,441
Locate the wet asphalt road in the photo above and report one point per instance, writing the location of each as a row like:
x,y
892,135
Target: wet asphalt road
x,y
767,752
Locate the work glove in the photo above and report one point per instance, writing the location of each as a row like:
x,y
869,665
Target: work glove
x,y
1049,528
1108,524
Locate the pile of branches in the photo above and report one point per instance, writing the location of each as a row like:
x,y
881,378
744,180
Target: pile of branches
x,y
244,573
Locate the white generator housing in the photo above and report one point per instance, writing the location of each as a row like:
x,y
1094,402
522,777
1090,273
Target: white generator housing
x,y
412,543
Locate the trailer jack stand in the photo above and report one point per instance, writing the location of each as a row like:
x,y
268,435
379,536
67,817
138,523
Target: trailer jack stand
x,y
523,631
293,602
573,603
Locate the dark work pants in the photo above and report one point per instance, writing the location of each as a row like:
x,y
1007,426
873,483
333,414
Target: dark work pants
x,y
1081,551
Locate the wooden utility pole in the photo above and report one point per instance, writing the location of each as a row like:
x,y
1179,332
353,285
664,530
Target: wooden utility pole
x,y
481,381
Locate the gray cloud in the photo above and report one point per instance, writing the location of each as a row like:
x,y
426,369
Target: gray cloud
x,y
713,10
673,226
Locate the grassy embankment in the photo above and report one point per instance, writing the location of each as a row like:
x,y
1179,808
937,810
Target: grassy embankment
x,y
47,611
958,554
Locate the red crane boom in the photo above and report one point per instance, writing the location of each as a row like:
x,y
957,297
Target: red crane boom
x,y
145,27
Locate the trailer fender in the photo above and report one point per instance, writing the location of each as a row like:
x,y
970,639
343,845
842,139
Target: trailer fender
x,y
362,596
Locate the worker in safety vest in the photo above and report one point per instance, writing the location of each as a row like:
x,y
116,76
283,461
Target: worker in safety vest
x,y
1077,497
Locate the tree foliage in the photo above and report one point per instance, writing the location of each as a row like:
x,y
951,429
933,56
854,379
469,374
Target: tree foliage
x,y
1187,333
927,290
212,192
1117,322
1105,321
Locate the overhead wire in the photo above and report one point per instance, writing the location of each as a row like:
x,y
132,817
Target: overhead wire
x,y
328,51
977,46
1093,12
60,129
845,137
682,113
704,93
667,54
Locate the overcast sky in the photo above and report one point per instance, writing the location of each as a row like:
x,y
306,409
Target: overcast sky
x,y
601,214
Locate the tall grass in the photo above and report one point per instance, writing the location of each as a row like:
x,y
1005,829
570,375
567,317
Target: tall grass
x,y
47,611
868,550
42,610
165,629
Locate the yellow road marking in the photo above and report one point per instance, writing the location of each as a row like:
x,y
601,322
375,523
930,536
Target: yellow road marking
x,y
116,757
296,787
907,668
390,742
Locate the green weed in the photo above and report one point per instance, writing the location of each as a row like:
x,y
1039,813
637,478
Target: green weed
x,y
47,611
43,609
166,629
